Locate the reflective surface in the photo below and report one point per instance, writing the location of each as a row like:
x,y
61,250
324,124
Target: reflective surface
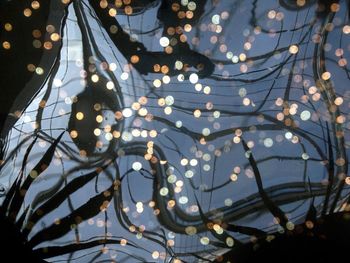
x,y
174,131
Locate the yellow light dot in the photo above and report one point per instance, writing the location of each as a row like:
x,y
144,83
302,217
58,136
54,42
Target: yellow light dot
x,y
73,134
97,132
134,59
108,136
290,226
137,166
326,75
309,224
39,71
340,119
33,174
184,162
35,5
292,111
193,78
110,85
112,67
339,52
197,113
279,102
155,254
242,57
190,230
31,67
207,90
164,41
113,29
123,242
342,62
79,116
192,6
143,112
293,49
216,227
347,180
316,96
107,128
157,83
112,12
179,183
338,101
124,76
228,202
171,243
27,12
247,46
168,110
233,177
136,106
48,45
50,28
36,33
161,102
95,78
346,29
164,69
127,112
335,7
300,2
271,14
229,241
204,241
188,27
236,139
99,118
37,43
156,68
55,37
171,203
246,101
312,90
97,106
166,79
128,10
305,115
8,27
143,100
164,191
153,133
178,65
116,134
103,4
6,45
206,131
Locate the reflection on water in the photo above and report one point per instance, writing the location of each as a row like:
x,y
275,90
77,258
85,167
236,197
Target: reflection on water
x,y
175,130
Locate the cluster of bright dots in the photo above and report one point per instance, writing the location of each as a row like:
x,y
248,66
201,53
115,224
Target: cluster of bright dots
x,y
218,229
290,113
123,5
